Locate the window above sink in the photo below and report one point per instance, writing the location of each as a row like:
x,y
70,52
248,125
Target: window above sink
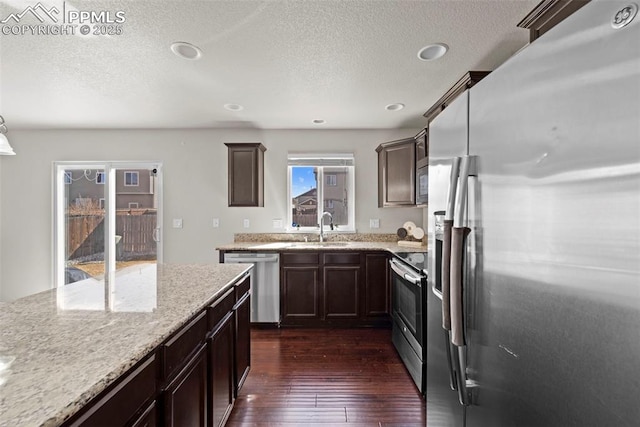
x,y
319,183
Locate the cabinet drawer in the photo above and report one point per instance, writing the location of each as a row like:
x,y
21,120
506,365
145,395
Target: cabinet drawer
x,y
242,288
183,343
118,406
342,258
148,417
288,258
219,309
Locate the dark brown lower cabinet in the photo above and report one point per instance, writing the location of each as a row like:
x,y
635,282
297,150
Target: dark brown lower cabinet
x,y
341,292
242,315
221,372
190,380
300,294
377,293
334,288
127,397
185,399
149,416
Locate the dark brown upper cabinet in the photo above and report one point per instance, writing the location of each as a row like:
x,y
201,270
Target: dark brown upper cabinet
x,y
397,173
246,174
547,14
422,145
466,82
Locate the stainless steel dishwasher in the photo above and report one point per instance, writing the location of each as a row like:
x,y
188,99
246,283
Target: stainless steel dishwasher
x,y
265,284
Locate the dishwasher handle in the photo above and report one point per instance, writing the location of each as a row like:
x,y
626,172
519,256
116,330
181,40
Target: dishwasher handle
x,y
244,259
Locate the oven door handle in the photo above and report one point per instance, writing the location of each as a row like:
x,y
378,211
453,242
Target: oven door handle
x,y
400,271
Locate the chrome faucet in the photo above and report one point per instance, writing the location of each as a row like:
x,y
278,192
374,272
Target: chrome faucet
x,y
322,224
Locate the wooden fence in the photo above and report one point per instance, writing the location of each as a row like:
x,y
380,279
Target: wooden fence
x,y
85,236
306,220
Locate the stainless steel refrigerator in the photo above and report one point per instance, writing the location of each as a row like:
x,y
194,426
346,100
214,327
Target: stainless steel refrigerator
x,y
534,234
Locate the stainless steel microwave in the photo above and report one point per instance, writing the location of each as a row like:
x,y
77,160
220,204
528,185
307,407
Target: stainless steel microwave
x,y
422,181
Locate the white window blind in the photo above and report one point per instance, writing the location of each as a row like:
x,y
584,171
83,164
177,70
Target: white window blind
x,y
320,159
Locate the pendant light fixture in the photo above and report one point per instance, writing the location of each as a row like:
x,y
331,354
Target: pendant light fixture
x,y
5,147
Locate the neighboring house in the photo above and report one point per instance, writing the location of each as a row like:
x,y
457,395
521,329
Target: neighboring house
x,y
306,203
335,200
335,195
135,189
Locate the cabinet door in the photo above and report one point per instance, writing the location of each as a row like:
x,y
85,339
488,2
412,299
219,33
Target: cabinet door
x,y
376,293
246,174
242,314
397,173
300,294
221,373
185,399
341,294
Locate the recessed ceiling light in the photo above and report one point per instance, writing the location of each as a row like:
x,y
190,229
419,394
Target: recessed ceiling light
x,y
318,121
186,50
233,107
394,107
433,51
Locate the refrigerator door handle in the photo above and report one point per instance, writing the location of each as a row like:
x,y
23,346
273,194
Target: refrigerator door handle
x,y
458,243
452,363
464,395
459,235
446,244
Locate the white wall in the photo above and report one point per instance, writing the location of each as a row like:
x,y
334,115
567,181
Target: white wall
x,y
195,189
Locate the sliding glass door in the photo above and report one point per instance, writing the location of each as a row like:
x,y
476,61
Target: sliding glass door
x,y
107,233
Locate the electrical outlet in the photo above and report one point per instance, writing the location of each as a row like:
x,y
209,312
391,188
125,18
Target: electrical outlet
x,y
374,223
177,223
246,223
277,223
216,222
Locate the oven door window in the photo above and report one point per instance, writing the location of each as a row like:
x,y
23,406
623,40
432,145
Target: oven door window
x,y
407,305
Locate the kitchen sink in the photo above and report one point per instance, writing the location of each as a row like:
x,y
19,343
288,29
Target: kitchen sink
x,y
298,245
318,245
273,245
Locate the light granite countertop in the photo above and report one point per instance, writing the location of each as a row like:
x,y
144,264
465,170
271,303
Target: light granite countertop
x,y
391,247
60,348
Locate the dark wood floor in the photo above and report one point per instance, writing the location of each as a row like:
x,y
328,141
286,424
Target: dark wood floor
x,y
303,377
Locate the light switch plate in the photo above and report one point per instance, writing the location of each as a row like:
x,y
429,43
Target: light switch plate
x,y
216,222
374,223
177,223
246,223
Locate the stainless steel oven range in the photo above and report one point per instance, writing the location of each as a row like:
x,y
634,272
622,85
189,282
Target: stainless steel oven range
x,y
409,282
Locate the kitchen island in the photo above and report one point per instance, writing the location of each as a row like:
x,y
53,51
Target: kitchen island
x,y
65,348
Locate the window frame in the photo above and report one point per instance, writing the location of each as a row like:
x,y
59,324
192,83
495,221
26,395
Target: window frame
x,y
60,201
137,205
322,161
131,174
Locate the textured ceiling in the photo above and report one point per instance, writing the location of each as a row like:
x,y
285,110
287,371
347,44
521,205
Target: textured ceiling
x,y
286,62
